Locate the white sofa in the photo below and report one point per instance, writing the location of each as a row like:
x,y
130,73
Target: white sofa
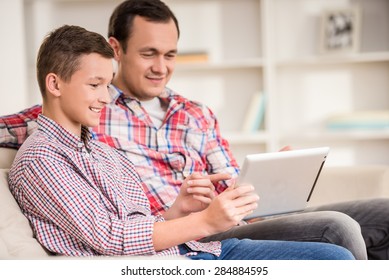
x,y
335,184
16,237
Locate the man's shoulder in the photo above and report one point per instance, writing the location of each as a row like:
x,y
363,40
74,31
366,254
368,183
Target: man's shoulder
x,y
21,117
189,103
15,128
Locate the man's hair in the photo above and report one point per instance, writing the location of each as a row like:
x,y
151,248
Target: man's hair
x,y
62,49
122,18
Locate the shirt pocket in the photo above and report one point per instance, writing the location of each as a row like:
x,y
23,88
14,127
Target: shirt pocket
x,y
193,139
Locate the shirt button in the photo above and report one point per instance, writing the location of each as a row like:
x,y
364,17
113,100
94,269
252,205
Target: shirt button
x,y
80,144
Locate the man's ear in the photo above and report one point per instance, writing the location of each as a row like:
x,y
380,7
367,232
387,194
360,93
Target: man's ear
x,y
116,47
52,84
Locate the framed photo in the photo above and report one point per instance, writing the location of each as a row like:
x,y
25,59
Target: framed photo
x,y
340,30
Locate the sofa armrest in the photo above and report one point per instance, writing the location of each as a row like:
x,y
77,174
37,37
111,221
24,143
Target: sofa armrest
x,y
338,184
16,236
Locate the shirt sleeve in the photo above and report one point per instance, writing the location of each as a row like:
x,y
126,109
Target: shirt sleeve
x,y
15,128
219,156
57,193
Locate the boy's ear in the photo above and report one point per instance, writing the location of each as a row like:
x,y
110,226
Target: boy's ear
x,y
52,84
115,46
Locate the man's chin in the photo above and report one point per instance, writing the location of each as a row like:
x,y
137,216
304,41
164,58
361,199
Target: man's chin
x,y
154,93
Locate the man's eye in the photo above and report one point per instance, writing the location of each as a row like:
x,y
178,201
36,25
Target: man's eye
x,y
94,85
147,54
171,56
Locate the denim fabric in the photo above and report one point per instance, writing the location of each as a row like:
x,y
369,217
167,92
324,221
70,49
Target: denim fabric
x,y
246,249
355,225
326,227
372,216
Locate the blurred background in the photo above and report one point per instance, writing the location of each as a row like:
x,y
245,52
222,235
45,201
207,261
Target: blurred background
x,y
305,73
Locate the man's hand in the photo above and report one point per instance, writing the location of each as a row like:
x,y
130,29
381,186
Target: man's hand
x,y
196,193
285,148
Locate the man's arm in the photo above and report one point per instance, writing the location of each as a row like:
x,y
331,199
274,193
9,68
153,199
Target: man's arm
x,y
219,157
15,128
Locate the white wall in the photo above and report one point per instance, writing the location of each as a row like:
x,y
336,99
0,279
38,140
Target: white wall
x,y
13,73
23,25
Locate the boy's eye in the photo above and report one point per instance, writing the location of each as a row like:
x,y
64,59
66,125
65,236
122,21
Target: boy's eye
x,y
94,85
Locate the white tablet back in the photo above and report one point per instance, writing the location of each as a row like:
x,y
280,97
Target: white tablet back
x,y
284,181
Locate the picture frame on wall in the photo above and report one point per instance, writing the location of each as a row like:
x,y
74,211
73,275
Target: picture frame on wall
x,y
340,30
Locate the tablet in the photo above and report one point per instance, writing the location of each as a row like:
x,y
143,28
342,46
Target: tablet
x,y
284,181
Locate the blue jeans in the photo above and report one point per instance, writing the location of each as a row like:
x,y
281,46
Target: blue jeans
x,y
355,225
246,249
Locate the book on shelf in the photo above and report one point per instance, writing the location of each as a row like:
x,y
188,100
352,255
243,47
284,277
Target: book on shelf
x,y
192,57
378,119
255,113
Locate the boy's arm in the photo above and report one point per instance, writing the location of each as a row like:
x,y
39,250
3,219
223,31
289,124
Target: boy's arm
x,y
56,196
224,212
15,128
54,192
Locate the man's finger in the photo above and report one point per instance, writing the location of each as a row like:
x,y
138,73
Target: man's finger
x,y
218,177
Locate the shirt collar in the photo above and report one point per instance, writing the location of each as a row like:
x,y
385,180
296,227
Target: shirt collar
x,y
114,93
117,94
62,135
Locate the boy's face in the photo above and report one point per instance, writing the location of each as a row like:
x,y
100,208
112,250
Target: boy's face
x,y
84,96
147,66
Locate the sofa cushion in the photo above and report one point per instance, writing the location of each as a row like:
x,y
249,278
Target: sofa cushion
x,y
16,236
7,156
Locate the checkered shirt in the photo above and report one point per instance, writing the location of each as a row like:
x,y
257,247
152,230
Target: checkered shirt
x,y
84,198
188,141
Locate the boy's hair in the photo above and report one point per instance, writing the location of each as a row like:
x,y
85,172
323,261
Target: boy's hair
x,y
122,18
62,49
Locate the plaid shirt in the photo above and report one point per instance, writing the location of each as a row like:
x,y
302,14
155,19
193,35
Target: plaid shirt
x,y
84,198
188,141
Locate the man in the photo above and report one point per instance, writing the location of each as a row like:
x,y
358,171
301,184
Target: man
x,y
169,137
84,198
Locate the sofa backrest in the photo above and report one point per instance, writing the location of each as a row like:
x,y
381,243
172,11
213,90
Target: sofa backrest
x,y
16,237
345,183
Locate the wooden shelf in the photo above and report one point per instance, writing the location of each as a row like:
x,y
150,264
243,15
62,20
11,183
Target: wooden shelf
x,y
223,65
251,46
246,138
340,136
372,57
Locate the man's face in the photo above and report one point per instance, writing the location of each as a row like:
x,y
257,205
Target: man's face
x,y
147,66
84,96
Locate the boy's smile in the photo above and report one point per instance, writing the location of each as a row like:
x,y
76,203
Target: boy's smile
x,y
81,99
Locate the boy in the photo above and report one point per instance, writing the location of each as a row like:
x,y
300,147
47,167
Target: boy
x,y
84,198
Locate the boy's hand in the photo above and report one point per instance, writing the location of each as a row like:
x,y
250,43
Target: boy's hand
x,y
229,208
196,193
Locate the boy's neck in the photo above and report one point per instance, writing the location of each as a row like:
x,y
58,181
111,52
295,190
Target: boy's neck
x,y
61,119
